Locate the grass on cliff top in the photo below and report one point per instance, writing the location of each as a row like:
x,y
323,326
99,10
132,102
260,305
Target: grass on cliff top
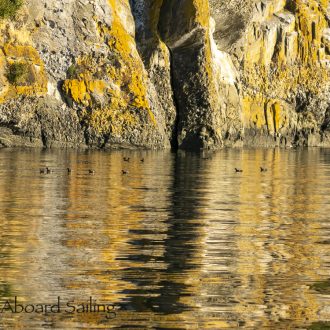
x,y
17,73
8,8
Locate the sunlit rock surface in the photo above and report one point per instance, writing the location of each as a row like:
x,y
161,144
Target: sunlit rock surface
x,y
191,74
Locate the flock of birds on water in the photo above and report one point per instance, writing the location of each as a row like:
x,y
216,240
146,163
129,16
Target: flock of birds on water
x,y
262,169
47,170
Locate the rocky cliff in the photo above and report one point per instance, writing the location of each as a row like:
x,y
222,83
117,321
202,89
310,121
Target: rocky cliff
x,y
193,74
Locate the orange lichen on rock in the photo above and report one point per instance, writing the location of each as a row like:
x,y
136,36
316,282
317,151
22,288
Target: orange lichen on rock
x,y
261,113
202,12
120,76
123,44
111,120
21,52
34,81
81,90
284,54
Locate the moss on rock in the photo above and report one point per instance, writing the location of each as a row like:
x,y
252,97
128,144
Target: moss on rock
x,y
8,8
18,73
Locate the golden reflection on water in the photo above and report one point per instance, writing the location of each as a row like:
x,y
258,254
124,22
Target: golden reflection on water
x,y
181,242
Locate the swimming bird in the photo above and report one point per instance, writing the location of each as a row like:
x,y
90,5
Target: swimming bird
x,y
237,170
126,159
91,171
124,172
142,160
263,169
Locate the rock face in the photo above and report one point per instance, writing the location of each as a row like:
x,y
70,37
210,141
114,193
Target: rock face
x,y
192,74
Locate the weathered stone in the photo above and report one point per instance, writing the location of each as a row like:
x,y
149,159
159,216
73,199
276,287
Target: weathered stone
x,y
193,74
39,122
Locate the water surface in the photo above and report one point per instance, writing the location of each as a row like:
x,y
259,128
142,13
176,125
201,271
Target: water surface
x,y
180,242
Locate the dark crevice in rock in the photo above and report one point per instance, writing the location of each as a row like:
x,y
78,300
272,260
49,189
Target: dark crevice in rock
x,y
64,97
326,122
44,138
106,139
174,140
147,40
301,102
10,125
266,119
291,6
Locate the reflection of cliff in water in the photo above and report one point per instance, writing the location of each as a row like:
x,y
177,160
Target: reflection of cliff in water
x,y
180,242
160,289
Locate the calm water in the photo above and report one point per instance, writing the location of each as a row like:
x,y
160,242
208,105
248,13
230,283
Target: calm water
x,y
181,242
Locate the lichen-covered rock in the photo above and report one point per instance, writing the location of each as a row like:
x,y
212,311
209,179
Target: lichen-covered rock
x,y
82,55
193,74
157,61
285,72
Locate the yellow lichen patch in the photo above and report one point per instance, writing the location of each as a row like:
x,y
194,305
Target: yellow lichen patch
x,y
313,78
111,119
77,90
202,18
259,113
96,86
311,21
125,76
34,81
283,55
18,52
137,88
120,40
202,12
123,44
36,84
80,90
253,112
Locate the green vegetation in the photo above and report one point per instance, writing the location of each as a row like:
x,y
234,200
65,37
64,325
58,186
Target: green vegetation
x,y
75,70
320,326
8,8
17,73
72,71
322,287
